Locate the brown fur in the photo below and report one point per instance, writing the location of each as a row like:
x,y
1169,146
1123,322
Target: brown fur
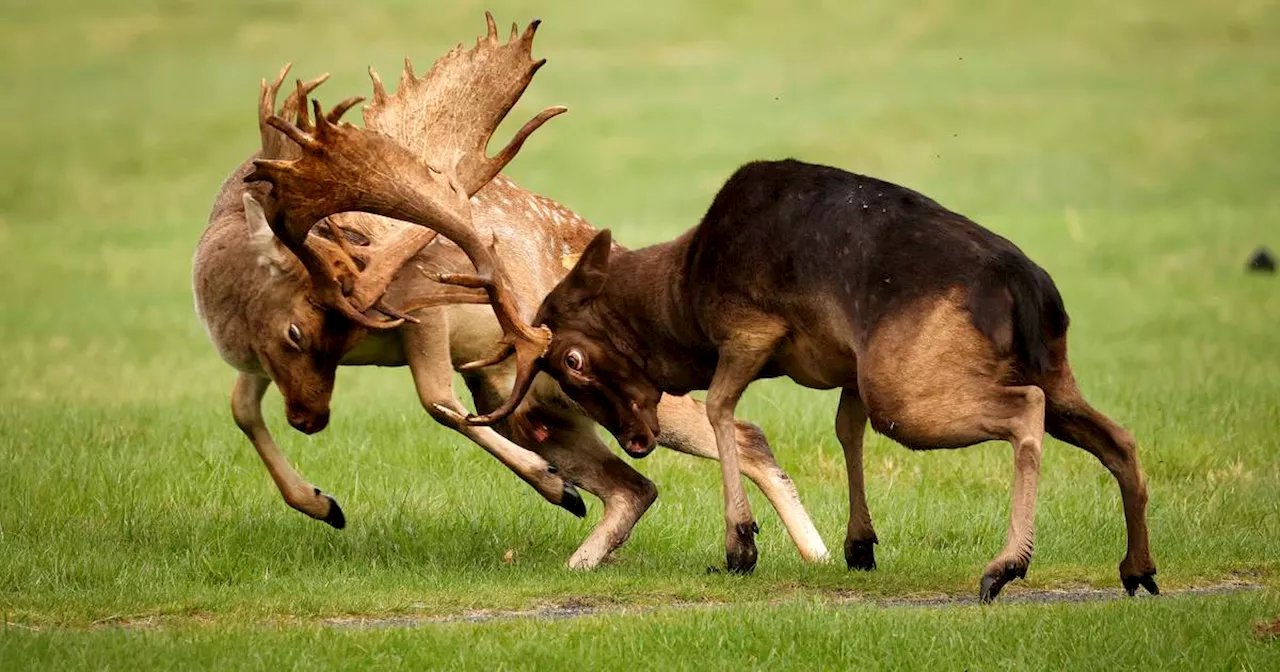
x,y
253,295
940,334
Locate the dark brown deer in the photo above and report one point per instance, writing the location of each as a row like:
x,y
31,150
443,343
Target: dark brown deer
x,y
278,320
939,332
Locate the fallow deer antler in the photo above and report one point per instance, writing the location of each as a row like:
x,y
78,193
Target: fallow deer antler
x,y
344,168
348,280
447,117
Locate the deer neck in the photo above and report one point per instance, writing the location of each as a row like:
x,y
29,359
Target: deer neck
x,y
646,307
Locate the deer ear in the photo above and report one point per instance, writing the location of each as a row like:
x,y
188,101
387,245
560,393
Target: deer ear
x,y
588,276
261,238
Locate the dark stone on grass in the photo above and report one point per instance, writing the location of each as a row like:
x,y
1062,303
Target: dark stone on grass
x,y
1262,261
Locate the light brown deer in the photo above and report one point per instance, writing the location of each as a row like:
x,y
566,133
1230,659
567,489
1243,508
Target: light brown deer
x,y
288,305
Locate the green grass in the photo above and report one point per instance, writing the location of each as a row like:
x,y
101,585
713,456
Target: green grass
x,y
799,634
1130,149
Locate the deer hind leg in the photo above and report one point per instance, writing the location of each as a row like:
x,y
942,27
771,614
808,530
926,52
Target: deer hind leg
x,y
984,411
426,347
685,429
1019,415
625,492
931,380
1071,419
751,342
860,539
569,442
246,407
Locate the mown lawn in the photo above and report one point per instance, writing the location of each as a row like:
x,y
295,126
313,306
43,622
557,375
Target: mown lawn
x,y
1131,149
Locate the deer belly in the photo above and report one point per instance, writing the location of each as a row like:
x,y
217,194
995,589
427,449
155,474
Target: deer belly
x,y
817,363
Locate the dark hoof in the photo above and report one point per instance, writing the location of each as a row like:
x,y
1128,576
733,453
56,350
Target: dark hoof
x,y
572,502
740,558
335,517
993,582
1147,581
860,555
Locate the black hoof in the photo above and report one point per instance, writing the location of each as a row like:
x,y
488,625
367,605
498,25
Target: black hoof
x,y
860,555
572,502
993,582
740,558
335,517
1147,581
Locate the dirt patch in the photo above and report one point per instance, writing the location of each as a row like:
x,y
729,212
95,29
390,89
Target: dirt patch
x,y
578,609
1267,629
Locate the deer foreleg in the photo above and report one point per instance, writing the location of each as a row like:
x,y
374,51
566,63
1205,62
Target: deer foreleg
x,y
741,358
685,429
860,539
246,407
426,348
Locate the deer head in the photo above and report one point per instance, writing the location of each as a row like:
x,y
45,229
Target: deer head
x,y
417,163
586,361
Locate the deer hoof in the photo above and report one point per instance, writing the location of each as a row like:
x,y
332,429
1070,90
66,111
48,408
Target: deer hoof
x,y
993,580
334,517
572,502
1147,581
741,555
860,555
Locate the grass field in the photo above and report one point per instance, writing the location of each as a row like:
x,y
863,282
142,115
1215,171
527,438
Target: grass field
x,y
1130,148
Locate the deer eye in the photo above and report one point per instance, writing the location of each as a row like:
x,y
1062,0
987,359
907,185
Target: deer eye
x,y
574,360
295,335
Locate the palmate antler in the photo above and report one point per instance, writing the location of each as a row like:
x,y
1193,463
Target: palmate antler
x,y
448,115
349,279
341,168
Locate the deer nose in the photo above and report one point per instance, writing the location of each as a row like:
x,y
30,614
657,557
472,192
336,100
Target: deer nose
x,y
308,422
639,445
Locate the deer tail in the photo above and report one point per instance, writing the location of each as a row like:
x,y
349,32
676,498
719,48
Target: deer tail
x,y
1038,314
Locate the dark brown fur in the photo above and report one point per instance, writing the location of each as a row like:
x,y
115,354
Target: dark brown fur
x,y
941,333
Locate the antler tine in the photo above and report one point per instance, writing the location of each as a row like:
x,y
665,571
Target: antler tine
x,y
335,115
529,32
487,168
293,132
379,91
406,75
503,353
491,27
300,116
